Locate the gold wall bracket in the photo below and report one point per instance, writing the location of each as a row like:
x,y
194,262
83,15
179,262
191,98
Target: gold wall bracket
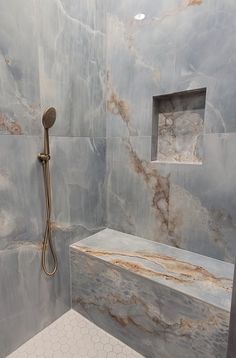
x,y
43,157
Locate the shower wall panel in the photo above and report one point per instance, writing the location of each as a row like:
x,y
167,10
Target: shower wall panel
x,y
51,54
178,46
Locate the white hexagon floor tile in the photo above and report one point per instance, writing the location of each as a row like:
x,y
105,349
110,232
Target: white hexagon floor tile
x,y
73,336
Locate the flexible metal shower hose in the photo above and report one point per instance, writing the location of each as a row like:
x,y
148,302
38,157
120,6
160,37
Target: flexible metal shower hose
x,y
47,238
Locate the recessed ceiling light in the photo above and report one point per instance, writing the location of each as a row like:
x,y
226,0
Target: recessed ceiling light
x,y
140,17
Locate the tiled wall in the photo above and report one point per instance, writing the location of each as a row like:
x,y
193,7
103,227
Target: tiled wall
x,y
52,53
180,45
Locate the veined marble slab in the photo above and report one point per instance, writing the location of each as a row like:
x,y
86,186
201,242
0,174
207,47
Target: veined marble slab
x,y
160,300
29,300
191,207
199,276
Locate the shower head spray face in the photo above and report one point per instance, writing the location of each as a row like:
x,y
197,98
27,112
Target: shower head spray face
x,y
49,117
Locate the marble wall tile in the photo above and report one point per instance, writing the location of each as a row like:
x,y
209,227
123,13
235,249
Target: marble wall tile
x,y
72,65
187,206
164,54
52,53
78,173
133,193
207,194
21,188
19,70
28,299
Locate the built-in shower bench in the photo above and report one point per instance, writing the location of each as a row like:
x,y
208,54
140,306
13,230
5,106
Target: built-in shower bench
x,y
162,301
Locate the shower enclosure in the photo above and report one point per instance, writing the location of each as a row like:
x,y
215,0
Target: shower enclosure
x,y
143,145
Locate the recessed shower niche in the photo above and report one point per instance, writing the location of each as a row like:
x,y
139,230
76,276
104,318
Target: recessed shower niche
x,y
177,127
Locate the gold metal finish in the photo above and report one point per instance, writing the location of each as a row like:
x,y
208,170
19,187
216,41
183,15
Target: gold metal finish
x,y
48,120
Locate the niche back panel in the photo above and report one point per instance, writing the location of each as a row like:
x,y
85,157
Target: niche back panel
x,y
177,127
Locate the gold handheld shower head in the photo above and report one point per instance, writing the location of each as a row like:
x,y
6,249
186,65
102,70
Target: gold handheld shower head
x,y
48,120
49,117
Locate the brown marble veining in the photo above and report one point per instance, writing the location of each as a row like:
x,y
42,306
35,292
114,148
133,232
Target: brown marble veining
x,y
179,271
118,106
158,183
194,2
9,125
19,245
168,200
183,326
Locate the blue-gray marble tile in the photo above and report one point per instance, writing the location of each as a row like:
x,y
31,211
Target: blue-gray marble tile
x,y
27,297
78,174
72,62
52,53
164,54
187,206
19,69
